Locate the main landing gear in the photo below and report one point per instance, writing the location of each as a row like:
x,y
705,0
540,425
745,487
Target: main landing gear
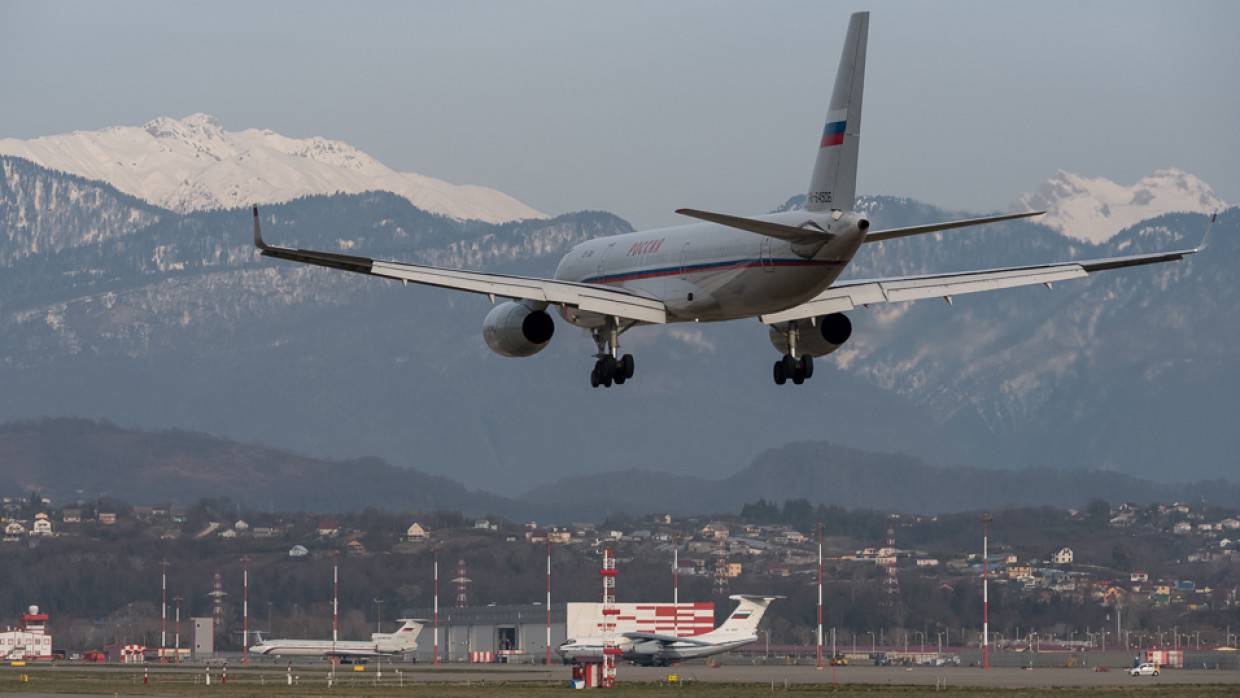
x,y
610,368
791,367
796,370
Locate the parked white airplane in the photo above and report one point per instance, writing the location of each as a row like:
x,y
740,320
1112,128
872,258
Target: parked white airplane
x,y
781,268
661,650
404,640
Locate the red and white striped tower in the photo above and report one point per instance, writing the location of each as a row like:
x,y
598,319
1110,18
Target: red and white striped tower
x,y
163,608
245,609
436,621
611,650
335,601
820,575
548,660
986,590
676,587
177,600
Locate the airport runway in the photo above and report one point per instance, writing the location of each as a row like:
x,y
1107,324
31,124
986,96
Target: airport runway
x,y
772,674
955,677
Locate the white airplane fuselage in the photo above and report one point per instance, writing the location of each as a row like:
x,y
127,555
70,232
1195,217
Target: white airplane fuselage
x,y
320,648
708,272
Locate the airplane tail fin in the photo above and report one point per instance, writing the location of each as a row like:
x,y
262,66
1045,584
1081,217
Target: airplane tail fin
x,y
406,636
744,619
834,183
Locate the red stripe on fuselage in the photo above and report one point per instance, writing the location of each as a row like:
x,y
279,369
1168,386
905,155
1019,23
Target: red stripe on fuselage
x,y
695,269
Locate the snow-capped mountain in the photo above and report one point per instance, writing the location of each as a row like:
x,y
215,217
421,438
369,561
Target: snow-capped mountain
x,y
1094,208
193,164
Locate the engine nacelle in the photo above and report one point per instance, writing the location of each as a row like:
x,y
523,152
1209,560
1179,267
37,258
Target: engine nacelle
x,y
514,329
824,336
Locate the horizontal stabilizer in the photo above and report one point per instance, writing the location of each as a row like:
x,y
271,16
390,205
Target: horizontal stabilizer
x,y
891,233
753,225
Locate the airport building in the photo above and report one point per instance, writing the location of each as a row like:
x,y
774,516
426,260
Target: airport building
x,y
518,633
30,640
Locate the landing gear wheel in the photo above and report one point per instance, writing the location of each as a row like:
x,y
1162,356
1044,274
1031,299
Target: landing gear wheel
x,y
595,378
627,366
780,376
619,379
807,366
790,365
798,377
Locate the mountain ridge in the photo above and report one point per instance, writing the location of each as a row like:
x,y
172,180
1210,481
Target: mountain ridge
x,y
179,323
193,164
73,459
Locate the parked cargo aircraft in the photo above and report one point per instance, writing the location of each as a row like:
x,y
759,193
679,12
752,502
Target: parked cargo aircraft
x,y
661,650
781,268
404,640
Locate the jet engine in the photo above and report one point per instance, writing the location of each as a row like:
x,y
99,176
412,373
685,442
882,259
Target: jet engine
x,y
513,328
823,336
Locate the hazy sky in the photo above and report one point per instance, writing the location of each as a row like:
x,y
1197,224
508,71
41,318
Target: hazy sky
x,y
641,107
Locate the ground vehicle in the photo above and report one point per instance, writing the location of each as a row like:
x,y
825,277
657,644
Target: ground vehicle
x,y
1144,669
839,660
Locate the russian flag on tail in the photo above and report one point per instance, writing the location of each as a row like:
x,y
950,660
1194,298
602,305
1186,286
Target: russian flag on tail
x,y
833,134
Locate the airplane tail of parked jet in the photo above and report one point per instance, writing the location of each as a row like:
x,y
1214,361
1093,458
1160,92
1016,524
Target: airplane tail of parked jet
x,y
744,619
834,182
404,639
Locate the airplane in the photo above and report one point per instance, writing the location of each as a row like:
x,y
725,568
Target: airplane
x,y
655,649
403,640
782,268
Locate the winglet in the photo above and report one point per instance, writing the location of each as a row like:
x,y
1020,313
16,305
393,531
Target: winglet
x,y
258,233
1205,239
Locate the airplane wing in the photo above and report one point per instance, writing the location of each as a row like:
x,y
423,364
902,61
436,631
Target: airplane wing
x,y
848,295
666,639
605,300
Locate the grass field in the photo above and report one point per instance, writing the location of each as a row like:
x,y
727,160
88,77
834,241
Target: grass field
x,y
108,682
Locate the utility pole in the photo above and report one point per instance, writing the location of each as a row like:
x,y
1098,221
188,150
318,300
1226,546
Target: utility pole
x,y
548,659
676,586
335,601
436,621
177,599
986,591
163,607
820,576
378,615
245,609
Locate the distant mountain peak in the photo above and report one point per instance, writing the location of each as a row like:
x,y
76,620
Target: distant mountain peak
x,y
193,163
1094,209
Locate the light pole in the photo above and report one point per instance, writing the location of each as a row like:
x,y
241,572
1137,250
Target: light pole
x,y
986,590
378,615
873,642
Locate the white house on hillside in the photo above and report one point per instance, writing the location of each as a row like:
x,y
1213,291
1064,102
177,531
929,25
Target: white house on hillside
x,y
1063,556
416,533
42,525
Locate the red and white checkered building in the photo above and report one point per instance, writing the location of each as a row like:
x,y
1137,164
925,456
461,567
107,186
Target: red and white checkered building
x,y
686,619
